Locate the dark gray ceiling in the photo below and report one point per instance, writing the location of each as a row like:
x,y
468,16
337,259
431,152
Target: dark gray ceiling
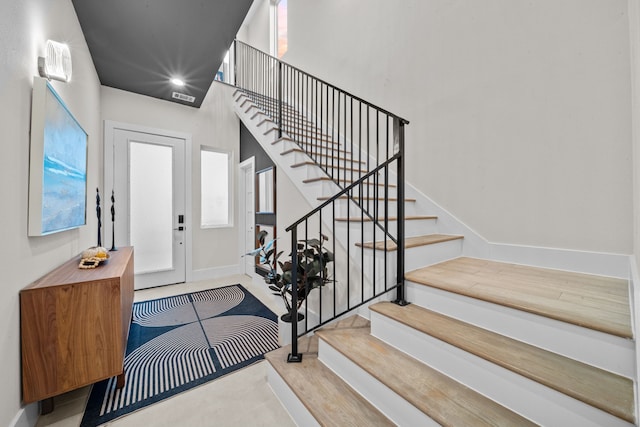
x,y
139,45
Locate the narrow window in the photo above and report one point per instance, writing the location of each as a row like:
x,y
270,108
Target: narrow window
x,y
215,188
280,28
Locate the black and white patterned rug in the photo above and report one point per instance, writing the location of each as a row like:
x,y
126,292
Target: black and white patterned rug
x,y
182,341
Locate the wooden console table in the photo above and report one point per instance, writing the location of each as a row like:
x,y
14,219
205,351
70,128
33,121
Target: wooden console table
x,y
74,326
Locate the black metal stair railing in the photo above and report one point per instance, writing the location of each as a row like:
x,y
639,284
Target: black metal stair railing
x,y
360,148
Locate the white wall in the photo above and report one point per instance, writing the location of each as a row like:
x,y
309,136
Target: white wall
x,y
519,110
634,24
634,31
24,28
214,124
255,28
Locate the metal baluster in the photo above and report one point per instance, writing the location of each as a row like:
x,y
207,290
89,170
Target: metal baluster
x,y
280,87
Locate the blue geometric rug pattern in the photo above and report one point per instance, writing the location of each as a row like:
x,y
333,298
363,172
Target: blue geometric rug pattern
x,y
179,342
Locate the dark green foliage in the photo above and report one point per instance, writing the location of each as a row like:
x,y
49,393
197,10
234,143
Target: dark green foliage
x,y
311,268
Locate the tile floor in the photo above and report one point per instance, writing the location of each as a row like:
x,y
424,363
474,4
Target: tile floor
x,y
242,398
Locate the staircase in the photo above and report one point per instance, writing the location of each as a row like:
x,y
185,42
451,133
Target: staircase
x,y
482,342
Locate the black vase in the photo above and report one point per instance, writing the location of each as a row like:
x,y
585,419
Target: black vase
x,y
287,317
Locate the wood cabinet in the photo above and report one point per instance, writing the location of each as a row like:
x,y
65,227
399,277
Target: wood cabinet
x,y
75,325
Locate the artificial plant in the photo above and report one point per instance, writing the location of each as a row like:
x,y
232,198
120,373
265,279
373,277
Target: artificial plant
x,y
312,260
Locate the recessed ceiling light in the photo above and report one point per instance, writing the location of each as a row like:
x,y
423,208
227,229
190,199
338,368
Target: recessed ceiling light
x,y
177,82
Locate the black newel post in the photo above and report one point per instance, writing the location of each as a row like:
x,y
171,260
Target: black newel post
x,y
294,356
99,214
113,223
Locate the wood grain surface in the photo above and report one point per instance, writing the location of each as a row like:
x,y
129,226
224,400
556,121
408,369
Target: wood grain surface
x,y
74,326
595,302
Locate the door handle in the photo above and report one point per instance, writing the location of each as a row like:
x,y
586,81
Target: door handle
x,y
181,228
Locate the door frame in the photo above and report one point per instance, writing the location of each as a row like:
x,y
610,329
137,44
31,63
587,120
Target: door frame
x,y
249,164
109,129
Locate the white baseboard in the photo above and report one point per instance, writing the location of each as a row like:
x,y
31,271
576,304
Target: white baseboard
x,y
27,416
215,272
602,264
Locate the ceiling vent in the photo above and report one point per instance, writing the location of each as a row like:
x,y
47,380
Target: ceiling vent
x,y
183,97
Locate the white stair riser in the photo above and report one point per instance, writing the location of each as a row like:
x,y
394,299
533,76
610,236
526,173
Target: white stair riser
x,y
422,256
382,278
326,188
528,398
613,354
363,231
306,139
299,157
417,256
318,171
346,208
254,116
298,412
386,400
320,150
285,145
330,188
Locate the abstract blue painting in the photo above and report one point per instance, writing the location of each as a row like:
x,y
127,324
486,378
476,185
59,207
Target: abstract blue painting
x,y
58,176
64,181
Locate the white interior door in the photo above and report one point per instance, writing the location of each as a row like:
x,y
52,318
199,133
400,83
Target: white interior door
x,y
247,175
149,186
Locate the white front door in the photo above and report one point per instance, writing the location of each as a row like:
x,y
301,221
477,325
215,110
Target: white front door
x,y
149,189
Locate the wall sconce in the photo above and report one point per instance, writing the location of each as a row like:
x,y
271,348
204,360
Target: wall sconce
x,y
56,64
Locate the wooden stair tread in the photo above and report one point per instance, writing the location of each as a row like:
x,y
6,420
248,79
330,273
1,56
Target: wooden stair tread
x,y
609,392
595,302
343,181
380,199
301,125
283,138
264,113
273,107
317,136
300,150
391,218
310,130
443,399
412,242
310,163
297,150
325,395
311,136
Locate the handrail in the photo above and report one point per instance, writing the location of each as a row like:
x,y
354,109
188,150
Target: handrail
x,y
357,145
405,121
